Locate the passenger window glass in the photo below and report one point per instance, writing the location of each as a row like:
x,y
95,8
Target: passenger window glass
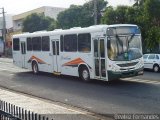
x,y
102,50
57,45
151,57
70,43
84,42
62,45
145,56
95,48
29,44
157,57
36,43
16,45
45,43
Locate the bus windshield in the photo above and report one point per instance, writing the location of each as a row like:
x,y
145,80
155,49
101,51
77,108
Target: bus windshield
x,y
124,46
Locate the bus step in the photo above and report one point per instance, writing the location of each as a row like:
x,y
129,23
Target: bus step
x,y
56,73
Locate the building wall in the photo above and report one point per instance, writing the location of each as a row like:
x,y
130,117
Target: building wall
x,y
46,10
17,25
53,11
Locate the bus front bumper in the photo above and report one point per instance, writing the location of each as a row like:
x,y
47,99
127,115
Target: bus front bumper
x,y
115,75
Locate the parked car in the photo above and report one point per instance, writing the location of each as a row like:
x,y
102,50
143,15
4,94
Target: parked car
x,y
152,61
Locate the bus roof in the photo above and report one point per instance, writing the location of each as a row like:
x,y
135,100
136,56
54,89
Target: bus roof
x,y
74,30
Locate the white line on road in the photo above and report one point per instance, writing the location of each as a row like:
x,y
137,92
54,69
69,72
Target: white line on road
x,y
143,81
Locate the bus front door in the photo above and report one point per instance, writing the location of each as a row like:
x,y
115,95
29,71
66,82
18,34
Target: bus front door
x,y
56,59
23,53
99,59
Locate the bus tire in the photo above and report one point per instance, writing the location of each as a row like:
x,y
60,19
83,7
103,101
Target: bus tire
x,y
35,68
84,74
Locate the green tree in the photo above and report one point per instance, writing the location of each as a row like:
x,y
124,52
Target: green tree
x,y
153,38
82,16
139,3
151,18
110,16
70,17
116,16
38,22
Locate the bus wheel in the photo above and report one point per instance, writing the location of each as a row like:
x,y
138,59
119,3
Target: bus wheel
x,y
35,68
84,74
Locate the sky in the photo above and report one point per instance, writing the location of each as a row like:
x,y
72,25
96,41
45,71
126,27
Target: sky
x,y
20,6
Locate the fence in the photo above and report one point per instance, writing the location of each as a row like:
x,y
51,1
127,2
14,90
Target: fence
x,y
11,112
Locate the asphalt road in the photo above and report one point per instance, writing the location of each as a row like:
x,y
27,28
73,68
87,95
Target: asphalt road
x,y
134,95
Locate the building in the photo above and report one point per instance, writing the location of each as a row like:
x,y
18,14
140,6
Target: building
x,y
46,10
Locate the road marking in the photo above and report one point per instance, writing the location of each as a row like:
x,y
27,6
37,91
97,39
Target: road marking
x,y
143,81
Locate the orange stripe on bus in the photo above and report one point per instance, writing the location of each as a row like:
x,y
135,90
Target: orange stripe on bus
x,y
38,60
74,62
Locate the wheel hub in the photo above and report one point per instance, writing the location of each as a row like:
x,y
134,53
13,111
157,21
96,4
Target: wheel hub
x,y
85,74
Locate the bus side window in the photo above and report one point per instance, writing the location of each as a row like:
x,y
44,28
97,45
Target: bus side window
x,y
29,44
84,42
62,43
16,44
45,43
37,43
70,43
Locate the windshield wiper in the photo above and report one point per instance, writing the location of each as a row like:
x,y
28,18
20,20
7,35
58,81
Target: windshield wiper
x,y
132,36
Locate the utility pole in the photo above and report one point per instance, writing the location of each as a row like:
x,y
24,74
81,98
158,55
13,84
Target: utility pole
x,y
4,30
4,25
95,12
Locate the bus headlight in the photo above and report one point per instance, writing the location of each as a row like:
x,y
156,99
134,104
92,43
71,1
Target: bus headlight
x,y
140,64
115,68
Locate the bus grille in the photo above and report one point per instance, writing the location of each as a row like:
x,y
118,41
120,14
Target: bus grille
x,y
127,64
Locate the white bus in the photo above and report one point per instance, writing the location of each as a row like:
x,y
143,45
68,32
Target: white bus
x,y
103,52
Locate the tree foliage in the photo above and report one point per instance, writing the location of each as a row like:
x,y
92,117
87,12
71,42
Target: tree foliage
x,y
80,16
38,22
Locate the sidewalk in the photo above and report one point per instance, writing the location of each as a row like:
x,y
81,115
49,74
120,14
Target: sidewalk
x,y
4,59
41,106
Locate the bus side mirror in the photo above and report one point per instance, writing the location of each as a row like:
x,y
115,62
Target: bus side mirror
x,y
108,44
